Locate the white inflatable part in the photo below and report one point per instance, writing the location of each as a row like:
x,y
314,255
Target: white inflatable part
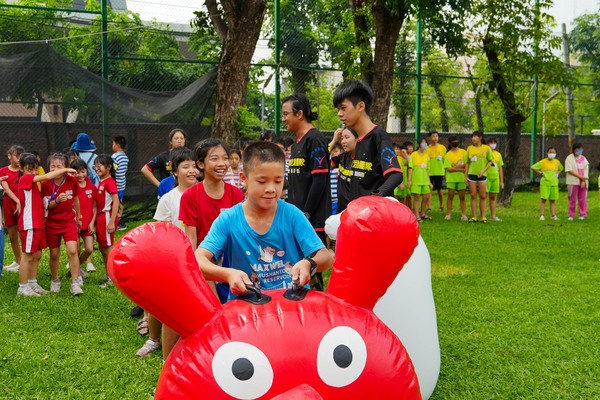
x,y
408,309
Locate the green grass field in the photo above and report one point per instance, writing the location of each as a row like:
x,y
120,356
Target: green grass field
x,y
517,304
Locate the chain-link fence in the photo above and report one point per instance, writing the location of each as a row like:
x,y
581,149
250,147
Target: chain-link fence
x,y
159,77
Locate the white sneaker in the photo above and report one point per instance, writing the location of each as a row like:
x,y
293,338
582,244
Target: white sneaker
x,y
37,288
448,217
90,267
76,289
27,292
582,218
570,218
497,219
80,281
464,218
555,218
148,348
55,286
542,218
14,267
82,273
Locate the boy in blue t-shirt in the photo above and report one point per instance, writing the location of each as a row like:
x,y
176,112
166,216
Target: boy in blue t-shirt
x,y
266,240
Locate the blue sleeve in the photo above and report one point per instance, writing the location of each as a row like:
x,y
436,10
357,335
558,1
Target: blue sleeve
x,y
166,185
216,239
304,233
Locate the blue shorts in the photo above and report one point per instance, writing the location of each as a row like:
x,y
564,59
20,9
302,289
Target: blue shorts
x,y
120,193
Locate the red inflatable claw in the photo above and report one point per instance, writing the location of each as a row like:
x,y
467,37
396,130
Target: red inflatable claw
x,y
375,239
321,346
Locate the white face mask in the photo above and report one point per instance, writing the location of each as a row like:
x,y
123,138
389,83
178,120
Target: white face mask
x,y
551,156
493,146
423,146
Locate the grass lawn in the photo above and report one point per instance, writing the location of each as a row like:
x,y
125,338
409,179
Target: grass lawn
x,y
517,304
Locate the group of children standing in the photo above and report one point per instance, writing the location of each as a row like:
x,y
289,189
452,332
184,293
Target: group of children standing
x,y
44,209
479,170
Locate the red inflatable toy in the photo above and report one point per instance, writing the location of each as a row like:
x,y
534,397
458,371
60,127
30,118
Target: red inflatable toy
x,y
278,344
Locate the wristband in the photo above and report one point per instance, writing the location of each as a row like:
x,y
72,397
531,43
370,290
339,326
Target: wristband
x,y
313,265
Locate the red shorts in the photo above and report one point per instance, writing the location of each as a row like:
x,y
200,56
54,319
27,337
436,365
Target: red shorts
x,y
85,233
33,240
104,238
67,232
9,206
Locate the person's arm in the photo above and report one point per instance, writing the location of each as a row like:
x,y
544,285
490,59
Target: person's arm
x,y
337,134
409,180
61,198
92,225
12,196
394,179
501,170
301,270
236,278
77,209
318,186
54,174
190,232
113,213
149,175
482,172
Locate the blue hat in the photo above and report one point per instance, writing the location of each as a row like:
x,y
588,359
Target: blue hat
x,y
83,143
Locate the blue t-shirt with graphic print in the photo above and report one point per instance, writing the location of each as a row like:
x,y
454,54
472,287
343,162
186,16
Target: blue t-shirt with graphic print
x,y
268,257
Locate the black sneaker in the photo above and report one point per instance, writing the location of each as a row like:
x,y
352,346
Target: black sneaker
x,y
136,312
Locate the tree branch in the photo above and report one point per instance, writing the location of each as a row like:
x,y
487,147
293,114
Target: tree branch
x,y
217,19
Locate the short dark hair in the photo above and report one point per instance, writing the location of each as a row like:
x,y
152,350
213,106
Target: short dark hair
x,y
107,161
178,156
408,144
351,130
550,148
121,141
477,133
58,156
28,160
202,148
338,146
78,164
432,132
576,145
16,149
300,102
262,152
492,139
355,91
453,138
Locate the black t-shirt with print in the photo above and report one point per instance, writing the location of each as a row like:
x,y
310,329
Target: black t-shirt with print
x,y
309,156
374,159
162,163
344,164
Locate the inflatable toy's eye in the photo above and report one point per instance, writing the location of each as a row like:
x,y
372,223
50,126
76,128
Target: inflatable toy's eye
x,y
242,370
341,357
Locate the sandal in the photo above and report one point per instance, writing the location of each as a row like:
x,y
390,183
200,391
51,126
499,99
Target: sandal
x,y
142,326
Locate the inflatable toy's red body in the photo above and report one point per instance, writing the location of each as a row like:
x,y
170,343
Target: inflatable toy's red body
x,y
326,345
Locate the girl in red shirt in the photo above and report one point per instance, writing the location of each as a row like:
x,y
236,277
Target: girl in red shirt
x,y
62,221
107,203
87,205
11,204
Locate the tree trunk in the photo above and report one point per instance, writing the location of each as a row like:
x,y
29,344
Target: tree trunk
x,y
388,23
513,120
361,31
244,20
478,112
444,120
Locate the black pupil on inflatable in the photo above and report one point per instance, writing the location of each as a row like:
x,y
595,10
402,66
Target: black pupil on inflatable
x,y
242,369
342,356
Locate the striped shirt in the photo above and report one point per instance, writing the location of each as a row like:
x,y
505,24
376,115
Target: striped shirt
x,y
333,178
122,162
